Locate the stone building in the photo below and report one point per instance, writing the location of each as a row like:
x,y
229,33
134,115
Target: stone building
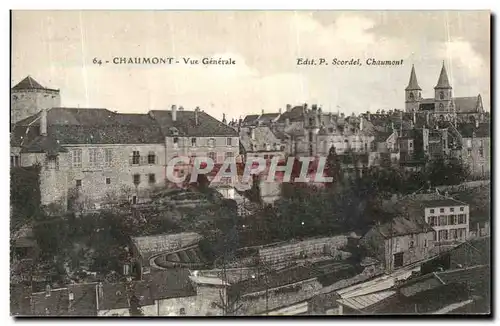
x,y
400,242
97,156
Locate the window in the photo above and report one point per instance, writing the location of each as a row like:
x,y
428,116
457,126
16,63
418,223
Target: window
x,y
52,163
108,156
453,234
425,243
229,141
432,210
76,160
441,106
176,142
182,311
443,235
469,152
398,260
78,183
441,95
211,142
134,200
412,244
71,296
443,220
108,181
462,219
93,152
193,142
229,155
151,158
452,209
152,178
461,209
137,179
433,221
397,246
212,156
412,96
411,144
441,210
452,220
481,152
14,160
136,157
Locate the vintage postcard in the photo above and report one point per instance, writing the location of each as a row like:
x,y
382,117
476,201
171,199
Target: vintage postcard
x,y
250,163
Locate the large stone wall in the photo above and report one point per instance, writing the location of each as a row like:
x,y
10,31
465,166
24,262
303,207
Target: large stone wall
x,y
307,248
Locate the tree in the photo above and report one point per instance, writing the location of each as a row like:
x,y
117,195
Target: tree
x,y
446,170
333,166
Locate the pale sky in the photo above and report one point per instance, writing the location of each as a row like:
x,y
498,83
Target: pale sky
x,y
57,48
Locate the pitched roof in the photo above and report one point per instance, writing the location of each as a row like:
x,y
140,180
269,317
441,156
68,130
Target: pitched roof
x,y
467,130
67,126
170,283
400,226
413,83
28,83
466,104
366,301
56,304
118,295
252,118
84,301
185,124
266,118
295,114
443,81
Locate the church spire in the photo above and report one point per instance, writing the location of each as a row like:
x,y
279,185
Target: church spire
x,y
413,83
443,81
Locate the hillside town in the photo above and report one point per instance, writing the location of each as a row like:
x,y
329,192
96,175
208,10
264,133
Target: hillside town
x,y
402,227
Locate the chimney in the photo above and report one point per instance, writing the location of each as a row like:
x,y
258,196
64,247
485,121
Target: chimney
x,y
262,111
43,123
361,123
174,112
314,107
427,117
196,113
414,117
477,123
305,107
287,121
279,111
368,115
288,107
252,133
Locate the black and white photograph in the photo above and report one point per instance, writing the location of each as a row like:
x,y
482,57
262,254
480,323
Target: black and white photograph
x,y
250,163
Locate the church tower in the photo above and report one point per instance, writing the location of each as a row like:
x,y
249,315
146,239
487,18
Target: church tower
x,y
412,93
443,93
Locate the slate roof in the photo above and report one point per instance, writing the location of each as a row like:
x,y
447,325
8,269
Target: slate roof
x,y
186,124
266,118
72,126
67,126
29,83
468,129
466,104
443,81
295,114
249,119
413,83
